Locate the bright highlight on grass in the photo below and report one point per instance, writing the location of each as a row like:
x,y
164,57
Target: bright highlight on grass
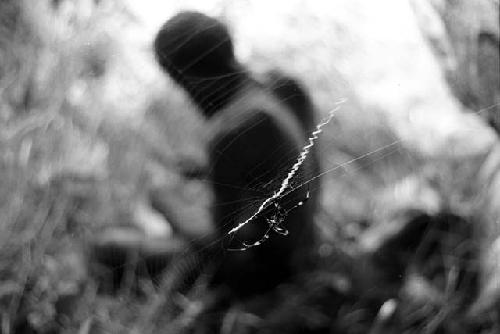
x,y
300,160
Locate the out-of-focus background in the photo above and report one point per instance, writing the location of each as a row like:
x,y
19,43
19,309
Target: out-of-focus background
x,y
94,139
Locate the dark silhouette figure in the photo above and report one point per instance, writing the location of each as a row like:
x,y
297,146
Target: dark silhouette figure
x,y
256,138
295,97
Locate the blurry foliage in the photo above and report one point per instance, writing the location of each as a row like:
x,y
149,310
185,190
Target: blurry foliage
x,y
465,35
63,163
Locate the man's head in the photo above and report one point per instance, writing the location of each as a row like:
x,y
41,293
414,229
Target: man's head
x,y
197,52
195,45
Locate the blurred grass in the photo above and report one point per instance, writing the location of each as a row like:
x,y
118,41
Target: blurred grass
x,y
74,158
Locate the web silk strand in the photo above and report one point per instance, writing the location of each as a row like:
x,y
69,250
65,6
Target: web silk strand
x,y
300,160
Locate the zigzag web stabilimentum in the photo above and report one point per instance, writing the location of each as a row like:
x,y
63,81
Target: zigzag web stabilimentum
x,y
280,214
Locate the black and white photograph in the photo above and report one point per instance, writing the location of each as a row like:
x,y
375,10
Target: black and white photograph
x,y
249,167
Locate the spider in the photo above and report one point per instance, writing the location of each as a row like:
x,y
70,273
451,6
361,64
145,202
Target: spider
x,y
275,221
